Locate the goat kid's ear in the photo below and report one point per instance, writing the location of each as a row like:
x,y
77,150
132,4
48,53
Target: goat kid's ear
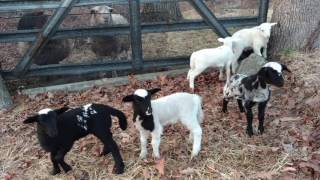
x,y
154,90
31,119
285,68
262,72
61,110
272,24
128,98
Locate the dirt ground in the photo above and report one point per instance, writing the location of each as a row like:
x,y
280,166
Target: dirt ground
x,y
289,149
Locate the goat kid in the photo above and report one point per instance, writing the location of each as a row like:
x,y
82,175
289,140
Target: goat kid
x,y
58,129
226,57
254,89
151,115
256,37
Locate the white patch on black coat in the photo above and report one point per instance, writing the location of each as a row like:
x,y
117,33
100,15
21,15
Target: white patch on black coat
x,y
274,65
85,116
45,111
141,92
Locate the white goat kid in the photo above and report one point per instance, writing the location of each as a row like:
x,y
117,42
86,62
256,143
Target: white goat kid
x,y
151,116
220,57
256,37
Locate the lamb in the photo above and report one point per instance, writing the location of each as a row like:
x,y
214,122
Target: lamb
x,y
58,129
108,45
54,51
256,37
254,89
223,57
150,116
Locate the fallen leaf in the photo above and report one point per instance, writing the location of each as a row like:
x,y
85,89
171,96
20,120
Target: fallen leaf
x,y
264,175
160,166
289,169
187,171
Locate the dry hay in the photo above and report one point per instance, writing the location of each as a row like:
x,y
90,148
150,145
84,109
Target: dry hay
x,y
284,151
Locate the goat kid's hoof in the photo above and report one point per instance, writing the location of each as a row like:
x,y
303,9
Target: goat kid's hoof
x,y
67,168
157,157
224,111
118,169
55,171
250,132
142,155
104,152
261,130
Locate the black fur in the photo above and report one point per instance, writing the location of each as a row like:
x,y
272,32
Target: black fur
x,y
141,106
73,125
245,53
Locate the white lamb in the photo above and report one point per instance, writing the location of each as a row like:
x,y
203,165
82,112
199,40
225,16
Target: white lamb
x,y
221,57
151,116
256,37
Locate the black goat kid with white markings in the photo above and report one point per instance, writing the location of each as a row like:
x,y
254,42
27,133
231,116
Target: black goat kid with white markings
x,y
254,89
58,129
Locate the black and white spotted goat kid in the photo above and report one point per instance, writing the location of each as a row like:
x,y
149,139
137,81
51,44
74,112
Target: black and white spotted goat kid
x,y
150,117
58,129
249,90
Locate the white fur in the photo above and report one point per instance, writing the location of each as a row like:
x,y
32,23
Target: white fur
x,y
44,111
274,65
256,37
221,57
141,92
178,107
87,106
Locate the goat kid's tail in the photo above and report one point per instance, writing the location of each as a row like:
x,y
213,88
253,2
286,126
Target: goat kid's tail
x,y
121,116
199,112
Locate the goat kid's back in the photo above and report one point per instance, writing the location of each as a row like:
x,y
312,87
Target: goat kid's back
x,y
177,105
98,115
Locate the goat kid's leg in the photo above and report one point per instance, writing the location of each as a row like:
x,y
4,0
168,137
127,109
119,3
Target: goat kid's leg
x,y
225,105
197,135
60,159
192,76
264,53
241,108
156,139
106,150
143,144
108,141
56,169
248,107
257,49
261,111
190,139
221,77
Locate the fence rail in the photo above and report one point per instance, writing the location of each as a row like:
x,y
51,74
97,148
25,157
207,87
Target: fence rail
x,y
135,29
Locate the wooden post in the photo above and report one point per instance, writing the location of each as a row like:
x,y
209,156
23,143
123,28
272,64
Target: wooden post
x,y
5,99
